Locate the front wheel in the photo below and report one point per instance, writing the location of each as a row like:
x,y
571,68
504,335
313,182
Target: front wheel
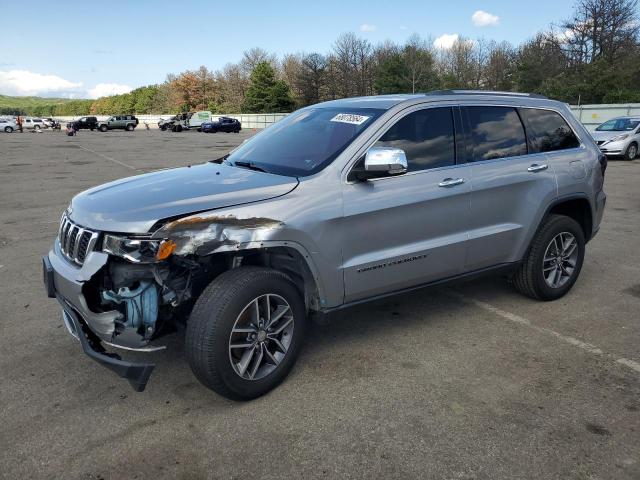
x,y
554,260
245,332
103,128
8,129
36,128
632,152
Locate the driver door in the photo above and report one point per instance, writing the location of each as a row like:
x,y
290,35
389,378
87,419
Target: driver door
x,y
410,229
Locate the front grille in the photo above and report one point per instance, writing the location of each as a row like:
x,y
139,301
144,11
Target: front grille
x,y
75,241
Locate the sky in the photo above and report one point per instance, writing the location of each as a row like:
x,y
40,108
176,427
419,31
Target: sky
x,y
88,49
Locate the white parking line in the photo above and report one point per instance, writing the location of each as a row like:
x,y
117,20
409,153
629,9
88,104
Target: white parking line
x,y
107,157
512,317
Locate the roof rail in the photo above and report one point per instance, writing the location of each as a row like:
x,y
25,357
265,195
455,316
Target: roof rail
x,y
484,92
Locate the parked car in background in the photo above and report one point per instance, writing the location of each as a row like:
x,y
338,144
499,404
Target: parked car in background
x,y
8,125
185,121
619,137
121,122
31,123
342,202
48,122
223,124
167,123
87,123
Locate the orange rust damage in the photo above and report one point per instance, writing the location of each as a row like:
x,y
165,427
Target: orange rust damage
x,y
203,222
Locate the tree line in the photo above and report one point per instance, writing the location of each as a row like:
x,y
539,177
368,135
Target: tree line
x,y
591,57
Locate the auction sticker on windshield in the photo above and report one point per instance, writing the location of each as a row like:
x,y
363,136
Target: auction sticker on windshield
x,y
350,118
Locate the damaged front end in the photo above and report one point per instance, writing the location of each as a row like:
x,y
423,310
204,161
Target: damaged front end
x,y
127,291
146,297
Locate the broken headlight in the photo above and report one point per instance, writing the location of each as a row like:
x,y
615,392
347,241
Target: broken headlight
x,y
138,250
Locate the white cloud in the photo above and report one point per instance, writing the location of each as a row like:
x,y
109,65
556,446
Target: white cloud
x,y
484,19
24,82
106,89
562,37
367,27
446,41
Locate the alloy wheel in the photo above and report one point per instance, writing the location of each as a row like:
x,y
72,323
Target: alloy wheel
x,y
560,259
261,336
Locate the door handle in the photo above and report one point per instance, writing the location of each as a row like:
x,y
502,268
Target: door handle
x,y
537,168
450,182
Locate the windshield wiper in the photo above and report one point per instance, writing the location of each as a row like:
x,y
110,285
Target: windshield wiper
x,y
250,166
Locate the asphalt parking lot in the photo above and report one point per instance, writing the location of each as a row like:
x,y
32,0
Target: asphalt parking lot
x,y
471,381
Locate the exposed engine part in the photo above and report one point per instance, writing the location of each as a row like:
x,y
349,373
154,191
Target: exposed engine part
x,y
141,306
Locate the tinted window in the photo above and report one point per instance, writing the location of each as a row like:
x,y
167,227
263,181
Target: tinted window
x,y
306,141
547,130
426,136
496,132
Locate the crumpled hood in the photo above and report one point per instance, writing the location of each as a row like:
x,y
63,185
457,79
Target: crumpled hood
x,y
135,204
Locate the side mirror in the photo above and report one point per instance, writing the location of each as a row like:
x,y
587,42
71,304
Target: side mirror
x,y
383,162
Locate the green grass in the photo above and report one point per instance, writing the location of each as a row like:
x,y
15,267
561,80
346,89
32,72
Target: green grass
x,y
33,105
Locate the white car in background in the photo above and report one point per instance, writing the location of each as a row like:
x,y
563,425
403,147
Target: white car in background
x,y
619,137
31,123
8,125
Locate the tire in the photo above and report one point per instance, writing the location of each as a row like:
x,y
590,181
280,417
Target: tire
x,y
91,129
8,129
129,127
103,128
178,128
209,337
36,127
534,274
632,151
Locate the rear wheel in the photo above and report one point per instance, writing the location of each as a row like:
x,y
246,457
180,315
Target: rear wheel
x,y
632,151
178,128
8,129
245,332
129,128
553,262
36,127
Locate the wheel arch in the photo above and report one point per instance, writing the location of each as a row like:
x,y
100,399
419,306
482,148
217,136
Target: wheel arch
x,y
576,207
289,258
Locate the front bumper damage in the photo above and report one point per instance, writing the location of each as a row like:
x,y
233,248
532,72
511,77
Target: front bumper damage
x,y
93,329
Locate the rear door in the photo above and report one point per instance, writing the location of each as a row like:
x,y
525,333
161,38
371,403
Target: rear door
x,y
411,229
512,185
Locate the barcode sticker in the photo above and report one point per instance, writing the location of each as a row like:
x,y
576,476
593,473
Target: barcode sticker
x,y
350,118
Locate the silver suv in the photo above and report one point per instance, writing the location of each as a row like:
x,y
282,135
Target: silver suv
x,y
122,122
338,203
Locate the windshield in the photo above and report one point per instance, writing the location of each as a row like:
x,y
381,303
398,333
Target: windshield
x,y
306,141
619,125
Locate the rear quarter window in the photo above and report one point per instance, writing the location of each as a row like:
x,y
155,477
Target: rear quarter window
x,y
496,132
548,131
